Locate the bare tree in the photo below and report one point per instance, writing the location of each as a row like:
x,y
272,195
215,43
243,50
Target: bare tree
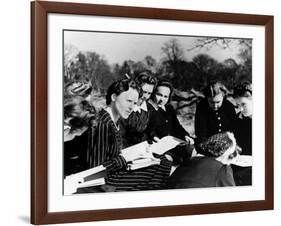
x,y
208,43
172,51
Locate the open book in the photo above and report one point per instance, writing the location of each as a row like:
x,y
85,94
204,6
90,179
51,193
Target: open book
x,y
163,145
88,178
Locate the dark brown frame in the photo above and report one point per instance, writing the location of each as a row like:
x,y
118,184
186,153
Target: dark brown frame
x,y
39,111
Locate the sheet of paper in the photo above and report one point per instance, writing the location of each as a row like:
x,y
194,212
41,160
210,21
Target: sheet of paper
x,y
243,160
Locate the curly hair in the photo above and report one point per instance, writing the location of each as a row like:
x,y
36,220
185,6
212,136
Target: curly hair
x,y
146,77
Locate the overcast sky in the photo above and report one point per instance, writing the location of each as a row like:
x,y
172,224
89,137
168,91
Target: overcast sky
x,y
117,47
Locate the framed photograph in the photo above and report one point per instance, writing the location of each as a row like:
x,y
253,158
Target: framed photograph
x,y
149,112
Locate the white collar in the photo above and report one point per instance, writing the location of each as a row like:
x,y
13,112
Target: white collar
x,y
138,108
156,107
163,107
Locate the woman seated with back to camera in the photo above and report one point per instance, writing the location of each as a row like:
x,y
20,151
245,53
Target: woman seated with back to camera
x,y
164,122
212,170
105,145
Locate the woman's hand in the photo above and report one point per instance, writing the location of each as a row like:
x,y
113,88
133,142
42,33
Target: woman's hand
x,y
156,139
169,157
189,140
69,134
130,156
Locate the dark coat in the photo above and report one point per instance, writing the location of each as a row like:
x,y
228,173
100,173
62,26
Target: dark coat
x,y
202,172
164,123
209,122
74,154
243,134
134,129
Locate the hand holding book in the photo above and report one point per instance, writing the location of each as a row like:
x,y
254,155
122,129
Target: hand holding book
x,y
142,154
138,151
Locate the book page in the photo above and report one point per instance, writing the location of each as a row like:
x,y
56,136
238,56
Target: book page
x,y
138,149
165,144
243,160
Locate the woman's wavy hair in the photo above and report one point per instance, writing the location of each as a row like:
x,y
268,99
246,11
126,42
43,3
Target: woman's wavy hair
x,y
119,87
146,77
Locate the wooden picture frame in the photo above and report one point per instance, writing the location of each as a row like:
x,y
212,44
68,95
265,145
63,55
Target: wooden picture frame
x,y
39,112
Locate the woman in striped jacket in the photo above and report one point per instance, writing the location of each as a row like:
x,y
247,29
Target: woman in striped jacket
x,y
105,145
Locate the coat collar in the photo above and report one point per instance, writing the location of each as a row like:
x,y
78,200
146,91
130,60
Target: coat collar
x,y
138,108
155,106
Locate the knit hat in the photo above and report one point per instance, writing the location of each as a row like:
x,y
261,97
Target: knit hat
x,y
218,144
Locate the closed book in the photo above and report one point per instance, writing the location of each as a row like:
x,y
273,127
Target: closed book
x,y
88,178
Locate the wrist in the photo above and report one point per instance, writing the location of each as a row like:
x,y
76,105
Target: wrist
x,y
169,157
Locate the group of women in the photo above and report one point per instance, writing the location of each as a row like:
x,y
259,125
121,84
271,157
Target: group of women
x,y
140,110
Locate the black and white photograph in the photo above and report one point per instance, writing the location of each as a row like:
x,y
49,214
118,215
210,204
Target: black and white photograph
x,y
155,112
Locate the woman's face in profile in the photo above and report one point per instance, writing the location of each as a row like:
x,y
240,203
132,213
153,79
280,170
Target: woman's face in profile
x,y
162,95
245,106
125,102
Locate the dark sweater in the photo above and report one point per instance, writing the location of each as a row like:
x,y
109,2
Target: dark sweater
x,y
75,152
243,134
